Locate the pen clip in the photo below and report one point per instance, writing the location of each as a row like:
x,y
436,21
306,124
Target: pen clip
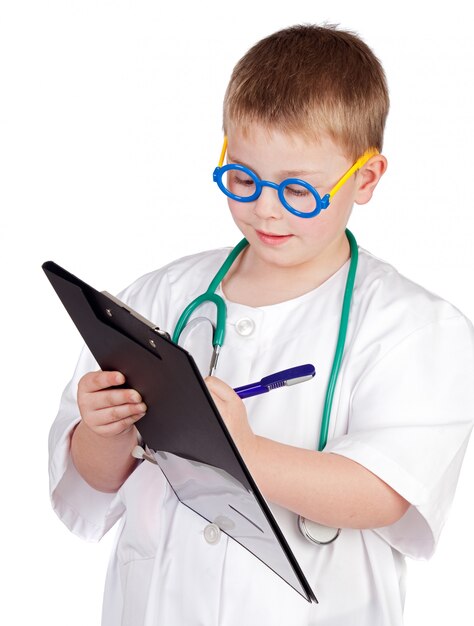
x,y
291,376
285,378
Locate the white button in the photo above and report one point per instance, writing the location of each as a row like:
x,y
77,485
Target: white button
x,y
212,533
245,326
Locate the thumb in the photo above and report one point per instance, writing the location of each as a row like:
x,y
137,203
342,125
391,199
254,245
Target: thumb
x,y
220,389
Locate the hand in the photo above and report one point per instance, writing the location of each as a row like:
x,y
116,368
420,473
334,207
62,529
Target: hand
x,y
107,411
234,414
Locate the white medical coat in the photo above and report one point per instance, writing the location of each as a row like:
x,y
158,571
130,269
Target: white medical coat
x,y
403,408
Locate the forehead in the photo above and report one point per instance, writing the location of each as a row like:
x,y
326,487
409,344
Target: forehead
x,y
272,149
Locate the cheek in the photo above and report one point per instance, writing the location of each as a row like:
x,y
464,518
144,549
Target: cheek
x,y
238,210
307,228
336,215
344,199
317,230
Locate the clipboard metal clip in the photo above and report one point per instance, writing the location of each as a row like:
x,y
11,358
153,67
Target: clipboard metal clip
x,y
142,319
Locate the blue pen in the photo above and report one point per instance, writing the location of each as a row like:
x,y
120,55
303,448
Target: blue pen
x,y
288,377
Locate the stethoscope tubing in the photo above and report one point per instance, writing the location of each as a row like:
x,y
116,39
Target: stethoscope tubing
x,y
219,334
210,296
341,341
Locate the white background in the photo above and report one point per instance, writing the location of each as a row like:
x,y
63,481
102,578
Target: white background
x,y
110,127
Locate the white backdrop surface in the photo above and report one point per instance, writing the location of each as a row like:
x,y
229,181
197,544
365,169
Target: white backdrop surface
x,y
110,127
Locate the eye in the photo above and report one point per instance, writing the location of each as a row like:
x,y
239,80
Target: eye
x,y
297,191
238,178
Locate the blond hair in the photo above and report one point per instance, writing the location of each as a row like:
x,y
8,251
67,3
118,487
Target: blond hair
x,y
313,80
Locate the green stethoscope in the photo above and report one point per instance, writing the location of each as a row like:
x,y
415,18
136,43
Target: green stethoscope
x,y
315,533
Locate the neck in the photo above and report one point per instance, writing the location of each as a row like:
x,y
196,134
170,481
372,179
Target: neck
x,y
255,282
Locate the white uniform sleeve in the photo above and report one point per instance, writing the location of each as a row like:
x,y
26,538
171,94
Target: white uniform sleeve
x,y
410,421
85,511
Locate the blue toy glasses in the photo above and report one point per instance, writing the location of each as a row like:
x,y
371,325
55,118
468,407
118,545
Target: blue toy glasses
x,y
297,196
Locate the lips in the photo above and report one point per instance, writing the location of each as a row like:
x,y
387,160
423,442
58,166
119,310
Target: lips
x,y
272,239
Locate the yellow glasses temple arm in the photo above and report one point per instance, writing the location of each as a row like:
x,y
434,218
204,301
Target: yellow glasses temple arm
x,y
357,165
223,151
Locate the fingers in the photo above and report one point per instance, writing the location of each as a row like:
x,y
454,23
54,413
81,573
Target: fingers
x,y
100,423
113,397
105,409
220,389
119,412
233,412
94,381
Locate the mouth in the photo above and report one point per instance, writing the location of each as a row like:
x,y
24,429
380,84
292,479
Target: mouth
x,y
272,239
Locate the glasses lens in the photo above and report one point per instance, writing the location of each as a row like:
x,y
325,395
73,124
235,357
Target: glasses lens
x,y
299,197
239,182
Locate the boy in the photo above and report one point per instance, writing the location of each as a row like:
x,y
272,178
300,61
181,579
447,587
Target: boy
x,y
304,104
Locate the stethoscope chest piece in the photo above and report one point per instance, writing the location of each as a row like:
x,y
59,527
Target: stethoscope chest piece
x,y
317,533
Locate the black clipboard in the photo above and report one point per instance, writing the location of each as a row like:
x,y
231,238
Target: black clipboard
x,y
183,432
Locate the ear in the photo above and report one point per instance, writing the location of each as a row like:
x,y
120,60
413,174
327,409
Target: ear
x,y
368,177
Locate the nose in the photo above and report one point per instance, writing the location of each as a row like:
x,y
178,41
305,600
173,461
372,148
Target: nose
x,y
268,205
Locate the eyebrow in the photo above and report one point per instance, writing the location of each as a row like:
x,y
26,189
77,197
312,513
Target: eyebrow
x,y
283,173
293,173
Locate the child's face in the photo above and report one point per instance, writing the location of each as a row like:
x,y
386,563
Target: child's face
x,y
276,236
